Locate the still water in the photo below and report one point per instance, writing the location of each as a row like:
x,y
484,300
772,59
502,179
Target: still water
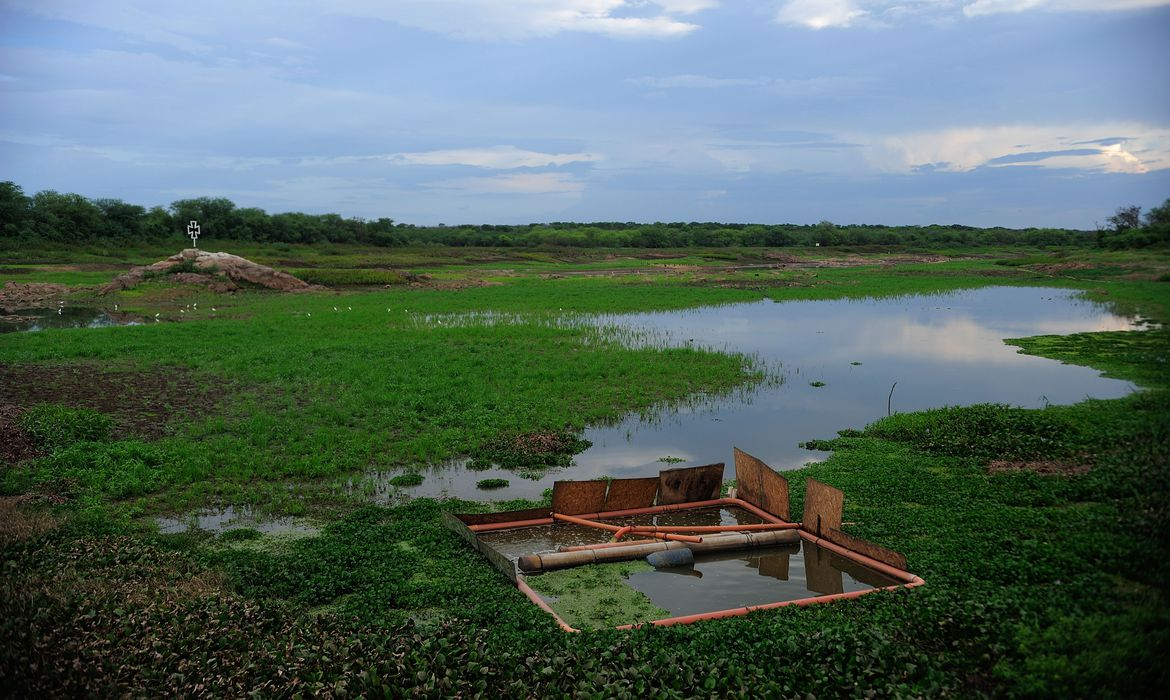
x,y
942,350
40,319
715,581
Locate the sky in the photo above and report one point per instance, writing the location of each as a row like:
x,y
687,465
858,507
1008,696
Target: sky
x,y
1011,113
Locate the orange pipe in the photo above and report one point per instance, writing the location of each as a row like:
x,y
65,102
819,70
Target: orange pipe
x,y
735,612
532,595
868,562
617,536
487,527
643,529
648,510
614,528
752,508
603,545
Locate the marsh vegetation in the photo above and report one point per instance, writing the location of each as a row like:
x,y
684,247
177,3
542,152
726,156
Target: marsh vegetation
x,y
1041,532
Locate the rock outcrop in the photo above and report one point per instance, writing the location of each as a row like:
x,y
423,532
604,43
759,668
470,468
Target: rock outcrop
x,y
220,272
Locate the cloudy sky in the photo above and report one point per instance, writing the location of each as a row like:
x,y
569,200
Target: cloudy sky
x,y
984,112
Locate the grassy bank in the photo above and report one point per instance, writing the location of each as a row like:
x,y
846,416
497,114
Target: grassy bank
x,y
1042,534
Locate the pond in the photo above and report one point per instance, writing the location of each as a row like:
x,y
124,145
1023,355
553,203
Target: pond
x,y
836,362
39,319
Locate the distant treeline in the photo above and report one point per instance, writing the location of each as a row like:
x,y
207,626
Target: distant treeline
x,y
50,216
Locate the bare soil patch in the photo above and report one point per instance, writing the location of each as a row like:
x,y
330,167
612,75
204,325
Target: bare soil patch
x,y
23,295
16,443
142,403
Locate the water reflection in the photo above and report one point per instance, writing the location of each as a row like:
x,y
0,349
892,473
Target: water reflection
x,y
232,518
39,319
755,577
942,350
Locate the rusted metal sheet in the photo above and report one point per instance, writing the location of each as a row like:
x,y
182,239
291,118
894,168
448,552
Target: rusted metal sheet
x,y
822,508
869,549
575,497
690,484
760,485
747,477
499,561
631,493
509,516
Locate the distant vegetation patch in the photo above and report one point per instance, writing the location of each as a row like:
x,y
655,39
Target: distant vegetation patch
x,y
552,448
491,483
408,479
985,431
342,277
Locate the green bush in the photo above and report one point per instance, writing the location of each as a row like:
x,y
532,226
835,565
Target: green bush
x,y
340,277
984,431
407,479
491,483
55,426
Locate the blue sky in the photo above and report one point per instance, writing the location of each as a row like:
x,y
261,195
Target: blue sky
x,y
984,112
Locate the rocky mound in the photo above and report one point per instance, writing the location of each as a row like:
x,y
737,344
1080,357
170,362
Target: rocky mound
x,y
220,272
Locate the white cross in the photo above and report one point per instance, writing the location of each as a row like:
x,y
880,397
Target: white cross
x,y
193,232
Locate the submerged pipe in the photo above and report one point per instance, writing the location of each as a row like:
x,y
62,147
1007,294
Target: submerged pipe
x,y
647,510
645,529
617,536
535,598
614,528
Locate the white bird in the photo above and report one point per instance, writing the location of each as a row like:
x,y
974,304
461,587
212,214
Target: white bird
x,y
213,309
350,308
308,314
182,311
58,312
115,307
335,308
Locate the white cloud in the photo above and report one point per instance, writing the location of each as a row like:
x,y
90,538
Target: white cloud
x,y
823,14
991,7
687,80
1140,149
492,19
496,157
519,183
282,43
819,14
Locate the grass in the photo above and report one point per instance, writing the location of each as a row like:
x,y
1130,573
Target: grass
x,y
1038,584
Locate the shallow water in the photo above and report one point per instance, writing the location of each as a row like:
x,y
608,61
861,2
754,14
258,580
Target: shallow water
x,y
942,350
716,581
232,518
754,577
39,319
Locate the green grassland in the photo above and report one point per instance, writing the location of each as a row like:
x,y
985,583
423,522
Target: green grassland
x,y
1042,582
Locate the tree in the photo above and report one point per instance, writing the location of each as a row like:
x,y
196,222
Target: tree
x,y
1126,218
1159,216
15,209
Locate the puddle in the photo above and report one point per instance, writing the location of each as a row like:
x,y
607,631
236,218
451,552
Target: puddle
x,y
837,361
40,319
233,518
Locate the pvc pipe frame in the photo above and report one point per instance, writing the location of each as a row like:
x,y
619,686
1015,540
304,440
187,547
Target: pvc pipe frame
x,y
908,579
619,530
